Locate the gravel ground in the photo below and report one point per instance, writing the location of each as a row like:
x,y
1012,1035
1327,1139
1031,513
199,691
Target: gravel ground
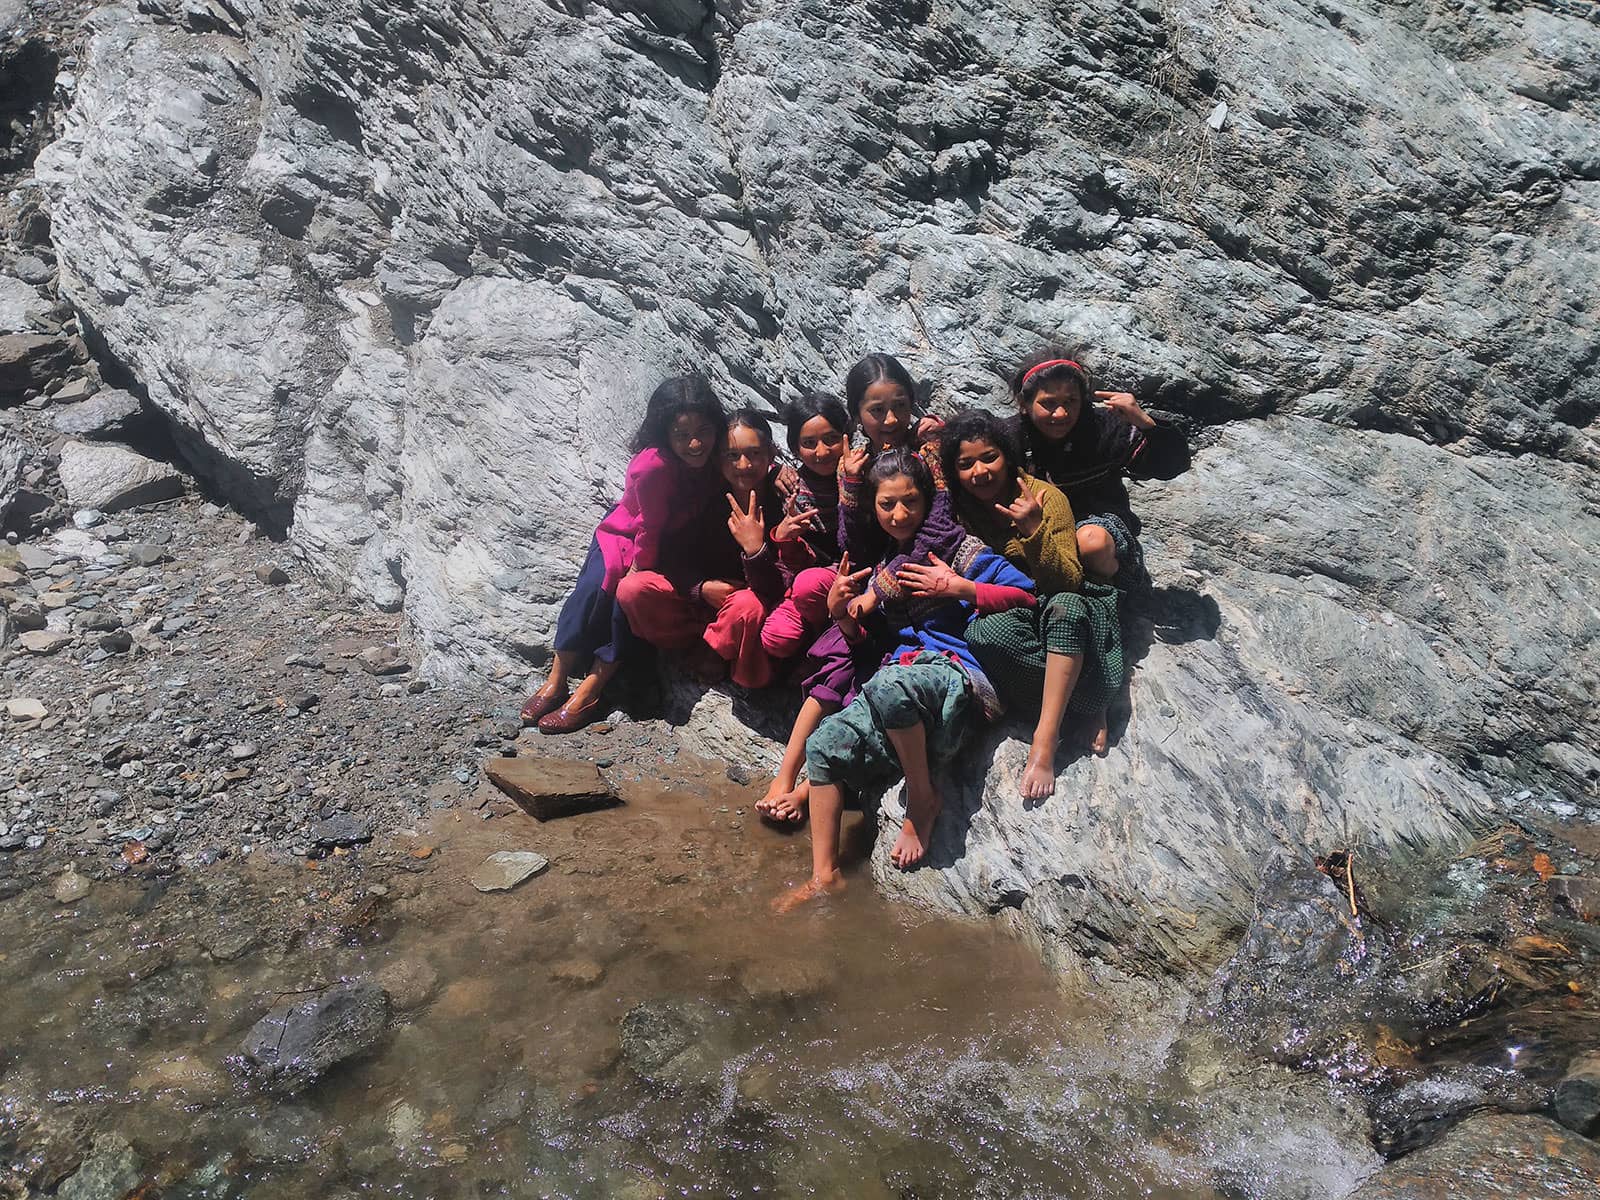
x,y
205,699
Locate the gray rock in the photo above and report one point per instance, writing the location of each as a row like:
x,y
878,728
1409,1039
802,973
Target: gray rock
x,y
20,305
26,708
70,887
111,1171
109,414
145,553
31,360
112,478
382,660
673,1042
43,641
272,573
12,458
341,829
301,1039
505,869
1577,1099
1493,1157
74,390
285,1134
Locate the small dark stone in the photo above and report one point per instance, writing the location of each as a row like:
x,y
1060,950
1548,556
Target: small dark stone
x,y
272,573
341,829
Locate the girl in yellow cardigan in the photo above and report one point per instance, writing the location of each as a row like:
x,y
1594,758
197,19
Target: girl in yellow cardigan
x,y
1066,653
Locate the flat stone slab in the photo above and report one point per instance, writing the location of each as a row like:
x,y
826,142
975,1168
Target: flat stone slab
x,y
504,869
551,787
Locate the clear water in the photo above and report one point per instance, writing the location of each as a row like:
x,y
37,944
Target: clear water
x,y
856,1049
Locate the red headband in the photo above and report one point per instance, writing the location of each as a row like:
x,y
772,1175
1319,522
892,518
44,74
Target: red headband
x,y
1045,366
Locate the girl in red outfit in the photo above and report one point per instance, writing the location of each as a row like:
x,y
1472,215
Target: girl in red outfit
x,y
721,576
672,476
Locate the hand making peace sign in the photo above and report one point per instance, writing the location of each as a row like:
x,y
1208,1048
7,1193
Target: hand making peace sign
x,y
747,526
846,587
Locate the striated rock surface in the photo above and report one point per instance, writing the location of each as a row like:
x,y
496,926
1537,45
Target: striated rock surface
x,y
400,276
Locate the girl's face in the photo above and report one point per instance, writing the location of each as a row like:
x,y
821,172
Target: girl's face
x,y
1055,408
693,438
900,507
982,470
745,461
886,415
820,445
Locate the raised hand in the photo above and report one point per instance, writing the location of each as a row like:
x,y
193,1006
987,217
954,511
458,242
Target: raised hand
x,y
785,480
847,585
1126,407
746,525
933,578
795,524
1025,513
928,427
853,462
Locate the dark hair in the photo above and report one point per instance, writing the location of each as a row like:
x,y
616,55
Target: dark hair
x,y
875,368
753,418
674,397
1035,450
975,425
813,404
899,462
1065,370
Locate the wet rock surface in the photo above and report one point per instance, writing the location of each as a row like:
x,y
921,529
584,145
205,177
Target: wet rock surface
x,y
1496,1158
301,1039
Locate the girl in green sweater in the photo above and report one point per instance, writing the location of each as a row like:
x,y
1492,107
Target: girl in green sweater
x,y
1066,653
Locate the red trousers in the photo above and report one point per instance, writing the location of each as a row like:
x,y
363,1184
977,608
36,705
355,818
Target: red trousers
x,y
802,615
666,618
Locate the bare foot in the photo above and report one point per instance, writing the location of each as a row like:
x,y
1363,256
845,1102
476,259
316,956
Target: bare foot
x,y
785,807
1039,776
1099,734
916,831
812,889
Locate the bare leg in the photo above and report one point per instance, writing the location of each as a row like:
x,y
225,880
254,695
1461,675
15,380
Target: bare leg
x,y
786,798
922,801
1098,553
1060,676
561,671
593,684
827,814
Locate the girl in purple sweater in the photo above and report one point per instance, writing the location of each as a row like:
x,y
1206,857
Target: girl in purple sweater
x,y
672,476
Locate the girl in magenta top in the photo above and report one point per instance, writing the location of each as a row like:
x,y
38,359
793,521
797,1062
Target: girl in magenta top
x,y
672,475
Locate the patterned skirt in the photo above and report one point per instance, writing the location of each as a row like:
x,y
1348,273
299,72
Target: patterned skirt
x,y
1012,646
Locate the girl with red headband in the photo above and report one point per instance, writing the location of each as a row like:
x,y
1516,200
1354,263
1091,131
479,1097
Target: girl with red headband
x,y
1087,450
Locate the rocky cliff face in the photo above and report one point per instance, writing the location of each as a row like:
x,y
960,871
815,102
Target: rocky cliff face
x,y
401,275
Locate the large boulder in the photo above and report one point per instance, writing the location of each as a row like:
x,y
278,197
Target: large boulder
x,y
12,457
109,477
401,275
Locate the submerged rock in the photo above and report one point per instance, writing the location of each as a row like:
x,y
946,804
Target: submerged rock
x,y
505,869
1577,1099
547,788
302,1038
111,1171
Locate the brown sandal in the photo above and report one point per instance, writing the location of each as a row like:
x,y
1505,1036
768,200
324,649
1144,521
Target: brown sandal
x,y
539,705
568,720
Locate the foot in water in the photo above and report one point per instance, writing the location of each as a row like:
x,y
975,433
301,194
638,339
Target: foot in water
x,y
812,889
786,807
916,831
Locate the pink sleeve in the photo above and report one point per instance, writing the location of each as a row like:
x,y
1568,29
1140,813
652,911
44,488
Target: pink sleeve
x,y
997,597
653,488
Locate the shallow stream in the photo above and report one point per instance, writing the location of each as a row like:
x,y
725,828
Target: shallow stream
x,y
857,1049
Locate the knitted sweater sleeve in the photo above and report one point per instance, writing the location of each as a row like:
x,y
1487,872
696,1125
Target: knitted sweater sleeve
x,y
1052,550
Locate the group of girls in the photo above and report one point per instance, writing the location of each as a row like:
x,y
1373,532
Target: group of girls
x,y
914,582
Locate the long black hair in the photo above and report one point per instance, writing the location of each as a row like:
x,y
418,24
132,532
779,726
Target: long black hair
x,y
753,418
975,425
900,462
875,368
674,397
813,404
